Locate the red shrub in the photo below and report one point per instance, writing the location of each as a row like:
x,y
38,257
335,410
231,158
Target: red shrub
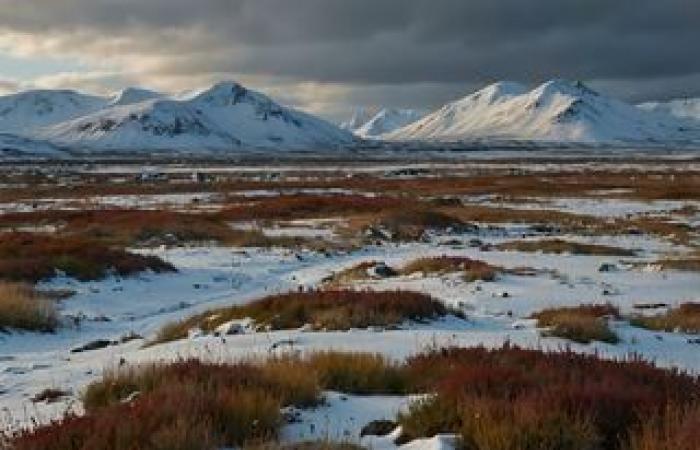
x,y
563,387
34,257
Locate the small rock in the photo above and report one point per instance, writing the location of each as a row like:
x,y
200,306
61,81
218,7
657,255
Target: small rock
x,y
378,428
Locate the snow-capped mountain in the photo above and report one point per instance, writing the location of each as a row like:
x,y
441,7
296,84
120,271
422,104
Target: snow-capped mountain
x,y
225,117
24,112
360,116
557,110
132,95
388,120
686,108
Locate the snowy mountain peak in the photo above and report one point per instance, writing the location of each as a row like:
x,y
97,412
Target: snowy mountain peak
x,y
226,116
224,93
132,95
558,110
497,91
23,112
563,87
388,120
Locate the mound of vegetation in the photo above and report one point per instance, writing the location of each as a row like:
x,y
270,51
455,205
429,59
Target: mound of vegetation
x,y
286,207
499,399
321,310
148,228
582,324
685,319
472,269
511,398
190,405
558,246
408,224
34,257
21,307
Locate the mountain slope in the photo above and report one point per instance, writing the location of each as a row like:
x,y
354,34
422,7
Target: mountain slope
x,y
224,117
17,146
388,120
556,111
24,112
360,116
687,108
132,95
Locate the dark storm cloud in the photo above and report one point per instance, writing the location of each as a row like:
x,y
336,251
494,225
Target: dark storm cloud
x,y
361,43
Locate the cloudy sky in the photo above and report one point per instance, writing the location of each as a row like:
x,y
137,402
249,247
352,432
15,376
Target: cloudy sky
x,y
329,56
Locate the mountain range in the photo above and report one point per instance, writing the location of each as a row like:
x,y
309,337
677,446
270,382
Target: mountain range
x,y
686,108
556,111
227,117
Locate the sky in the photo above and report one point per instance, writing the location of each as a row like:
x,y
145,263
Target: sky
x,y
331,56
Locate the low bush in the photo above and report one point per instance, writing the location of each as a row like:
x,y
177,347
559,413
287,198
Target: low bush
x,y
21,307
287,207
471,268
358,272
322,310
677,428
558,246
34,257
511,398
499,399
582,324
685,318
409,224
358,373
691,264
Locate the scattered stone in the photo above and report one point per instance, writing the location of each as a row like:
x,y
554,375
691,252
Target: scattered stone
x,y
381,270
607,267
50,395
378,428
131,336
94,345
650,305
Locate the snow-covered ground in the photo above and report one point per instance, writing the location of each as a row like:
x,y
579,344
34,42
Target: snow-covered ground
x,y
214,276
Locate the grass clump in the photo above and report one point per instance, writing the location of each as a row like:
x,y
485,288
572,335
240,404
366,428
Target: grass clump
x,y
23,308
691,264
511,398
358,272
582,324
288,207
35,257
190,405
471,268
685,319
677,428
411,224
358,373
559,246
321,310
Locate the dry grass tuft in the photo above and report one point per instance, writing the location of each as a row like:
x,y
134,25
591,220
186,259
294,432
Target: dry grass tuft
x,y
677,428
321,310
558,246
21,307
511,398
35,257
582,324
471,268
685,319
409,224
190,405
